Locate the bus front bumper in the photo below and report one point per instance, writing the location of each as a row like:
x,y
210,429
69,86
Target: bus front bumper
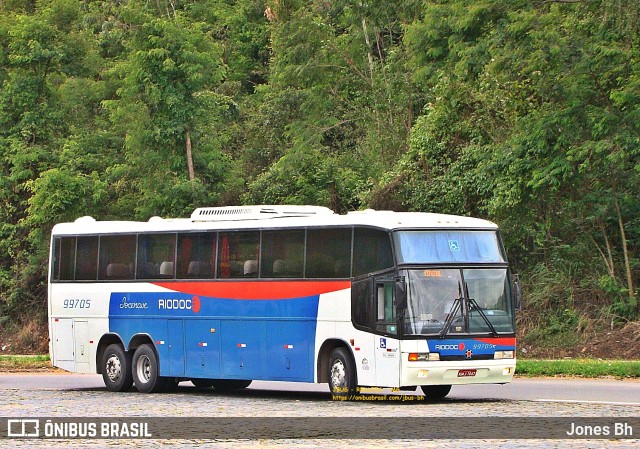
x,y
456,373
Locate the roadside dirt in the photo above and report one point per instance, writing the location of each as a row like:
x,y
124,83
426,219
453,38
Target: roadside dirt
x,y
615,344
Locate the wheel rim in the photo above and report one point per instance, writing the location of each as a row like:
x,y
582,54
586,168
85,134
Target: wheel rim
x,y
143,369
113,368
338,374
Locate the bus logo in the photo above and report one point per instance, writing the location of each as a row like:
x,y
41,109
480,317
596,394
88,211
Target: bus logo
x,y
450,347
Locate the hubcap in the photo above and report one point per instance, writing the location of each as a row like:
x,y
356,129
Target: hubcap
x,y
143,368
113,368
338,374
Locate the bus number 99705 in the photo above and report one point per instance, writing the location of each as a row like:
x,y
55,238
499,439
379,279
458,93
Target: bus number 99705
x,y
76,304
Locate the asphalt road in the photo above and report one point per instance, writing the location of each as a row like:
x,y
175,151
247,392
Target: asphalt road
x,y
596,391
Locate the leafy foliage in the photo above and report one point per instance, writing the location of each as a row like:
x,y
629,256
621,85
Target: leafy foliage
x,y
525,113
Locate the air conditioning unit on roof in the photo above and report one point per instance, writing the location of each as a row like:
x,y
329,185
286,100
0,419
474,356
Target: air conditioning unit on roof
x,y
231,213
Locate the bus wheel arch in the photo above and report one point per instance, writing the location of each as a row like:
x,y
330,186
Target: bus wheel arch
x,y
324,355
139,340
105,341
337,352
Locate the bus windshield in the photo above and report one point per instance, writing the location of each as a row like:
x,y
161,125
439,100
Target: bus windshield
x,y
450,246
458,301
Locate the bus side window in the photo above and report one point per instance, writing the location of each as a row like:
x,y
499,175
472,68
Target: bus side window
x,y
87,259
156,253
328,253
371,251
55,260
117,257
282,254
238,250
386,310
197,255
373,305
65,253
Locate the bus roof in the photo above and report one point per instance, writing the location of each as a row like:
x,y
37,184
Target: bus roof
x,y
273,217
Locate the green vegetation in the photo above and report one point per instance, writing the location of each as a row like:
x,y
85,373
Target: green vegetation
x,y
14,363
579,368
523,112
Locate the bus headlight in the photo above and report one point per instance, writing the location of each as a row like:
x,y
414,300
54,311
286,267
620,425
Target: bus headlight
x,y
424,356
503,355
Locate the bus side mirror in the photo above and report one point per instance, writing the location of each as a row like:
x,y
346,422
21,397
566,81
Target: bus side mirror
x,y
517,292
401,294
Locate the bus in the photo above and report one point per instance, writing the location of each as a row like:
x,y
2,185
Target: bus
x,y
284,293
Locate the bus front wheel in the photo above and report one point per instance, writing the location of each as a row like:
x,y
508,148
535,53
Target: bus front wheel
x,y
116,368
146,373
342,373
435,392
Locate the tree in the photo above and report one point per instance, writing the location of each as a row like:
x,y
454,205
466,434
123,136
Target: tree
x,y
166,106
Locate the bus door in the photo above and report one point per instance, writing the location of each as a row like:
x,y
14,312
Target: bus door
x,y
387,351
81,336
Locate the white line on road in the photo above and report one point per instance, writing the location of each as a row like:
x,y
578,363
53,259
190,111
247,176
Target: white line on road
x,y
578,401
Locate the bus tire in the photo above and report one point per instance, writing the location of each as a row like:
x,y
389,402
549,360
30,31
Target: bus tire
x,y
435,392
116,368
342,373
146,373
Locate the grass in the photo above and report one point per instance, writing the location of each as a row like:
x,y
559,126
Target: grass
x,y
25,363
588,368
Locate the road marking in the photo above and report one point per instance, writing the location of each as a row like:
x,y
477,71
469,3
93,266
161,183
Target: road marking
x,y
578,401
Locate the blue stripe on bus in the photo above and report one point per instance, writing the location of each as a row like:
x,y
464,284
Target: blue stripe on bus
x,y
206,337
475,346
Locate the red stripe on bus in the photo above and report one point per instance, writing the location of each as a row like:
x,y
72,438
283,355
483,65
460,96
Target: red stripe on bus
x,y
504,341
256,289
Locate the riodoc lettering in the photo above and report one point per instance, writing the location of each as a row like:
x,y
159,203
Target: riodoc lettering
x,y
192,304
175,304
459,347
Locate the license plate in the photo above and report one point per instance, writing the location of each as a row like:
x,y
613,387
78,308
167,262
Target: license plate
x,y
466,373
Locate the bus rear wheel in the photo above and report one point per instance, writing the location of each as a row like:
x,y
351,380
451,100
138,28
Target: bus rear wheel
x,y
435,392
116,368
342,373
146,373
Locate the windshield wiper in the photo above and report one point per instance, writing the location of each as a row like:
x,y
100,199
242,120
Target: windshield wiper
x,y
474,303
455,308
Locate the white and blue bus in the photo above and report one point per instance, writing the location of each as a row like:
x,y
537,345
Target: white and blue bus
x,y
283,293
